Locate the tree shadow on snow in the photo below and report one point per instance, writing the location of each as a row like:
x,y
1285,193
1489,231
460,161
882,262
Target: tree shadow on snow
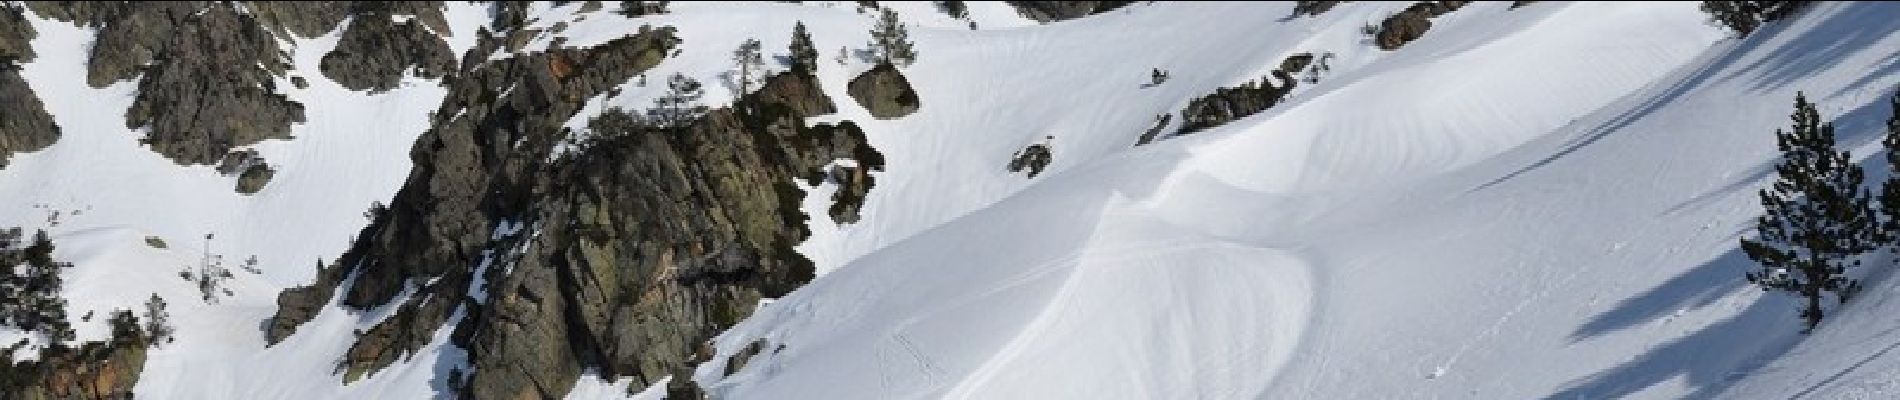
x,y
1697,288
1708,359
1854,27
1712,358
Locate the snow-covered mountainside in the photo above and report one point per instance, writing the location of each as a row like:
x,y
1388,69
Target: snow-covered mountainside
x,y
1052,200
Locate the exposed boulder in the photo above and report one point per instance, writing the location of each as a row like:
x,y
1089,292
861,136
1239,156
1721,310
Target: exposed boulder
x,y
1411,24
254,177
1049,11
884,92
1313,8
1154,131
251,170
1031,160
798,91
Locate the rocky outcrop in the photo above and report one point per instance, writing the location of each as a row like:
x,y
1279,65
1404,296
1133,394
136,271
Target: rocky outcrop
x,y
637,247
251,170
16,36
884,92
1032,160
254,178
375,52
24,124
96,370
1228,104
301,18
214,89
206,72
1411,24
1313,8
1154,131
1049,11
800,92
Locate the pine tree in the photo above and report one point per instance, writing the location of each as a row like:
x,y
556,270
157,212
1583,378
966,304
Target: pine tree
x,y
680,104
158,326
126,329
804,54
1890,191
955,9
891,41
746,58
1818,217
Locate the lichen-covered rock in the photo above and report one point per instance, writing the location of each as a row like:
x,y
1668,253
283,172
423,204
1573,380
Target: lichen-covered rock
x,y
375,52
884,92
1048,11
254,178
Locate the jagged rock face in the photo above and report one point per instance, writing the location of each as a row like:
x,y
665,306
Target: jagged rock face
x,y
97,370
16,36
1047,11
207,70
641,245
1412,23
376,52
24,123
302,18
214,89
1228,104
466,179
884,92
206,73
801,93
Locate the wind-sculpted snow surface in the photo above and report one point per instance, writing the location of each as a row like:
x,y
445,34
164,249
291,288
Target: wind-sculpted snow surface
x,y
1540,201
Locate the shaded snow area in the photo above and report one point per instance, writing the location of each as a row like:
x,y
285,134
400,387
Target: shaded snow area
x,y
1531,202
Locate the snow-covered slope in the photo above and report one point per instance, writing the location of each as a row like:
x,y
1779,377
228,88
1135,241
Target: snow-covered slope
x,y
1527,202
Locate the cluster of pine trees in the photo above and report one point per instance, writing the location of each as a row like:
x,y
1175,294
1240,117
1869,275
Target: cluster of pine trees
x,y
1819,216
1744,17
30,284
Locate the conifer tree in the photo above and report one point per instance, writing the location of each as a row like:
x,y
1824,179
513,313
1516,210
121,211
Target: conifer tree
x,y
158,326
1890,190
804,55
890,41
749,64
1818,217
679,105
